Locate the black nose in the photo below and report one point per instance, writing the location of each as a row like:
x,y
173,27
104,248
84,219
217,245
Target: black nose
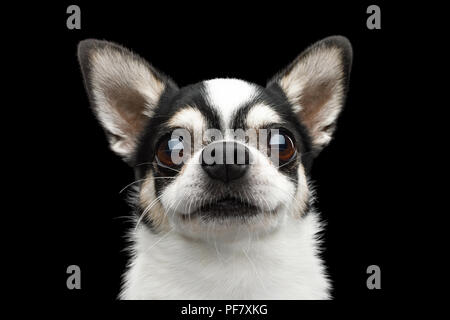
x,y
225,161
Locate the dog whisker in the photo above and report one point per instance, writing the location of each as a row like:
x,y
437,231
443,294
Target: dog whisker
x,y
159,240
256,271
143,163
146,210
130,184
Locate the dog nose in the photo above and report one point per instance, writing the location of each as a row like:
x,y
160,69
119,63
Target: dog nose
x,y
225,161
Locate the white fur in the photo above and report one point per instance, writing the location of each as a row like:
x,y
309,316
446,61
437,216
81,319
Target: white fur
x,y
227,95
264,182
189,118
261,115
280,265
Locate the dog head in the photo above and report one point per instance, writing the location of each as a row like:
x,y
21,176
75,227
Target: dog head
x,y
222,158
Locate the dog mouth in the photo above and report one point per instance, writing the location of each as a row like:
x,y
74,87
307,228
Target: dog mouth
x,y
227,207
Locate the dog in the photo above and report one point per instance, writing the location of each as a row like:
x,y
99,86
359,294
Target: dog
x,y
209,226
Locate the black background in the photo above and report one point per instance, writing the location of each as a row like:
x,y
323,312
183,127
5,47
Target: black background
x,y
355,176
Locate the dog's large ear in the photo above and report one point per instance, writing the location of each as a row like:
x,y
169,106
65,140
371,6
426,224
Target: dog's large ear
x,y
315,84
123,90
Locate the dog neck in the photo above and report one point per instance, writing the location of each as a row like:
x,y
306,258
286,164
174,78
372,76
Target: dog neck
x,y
281,265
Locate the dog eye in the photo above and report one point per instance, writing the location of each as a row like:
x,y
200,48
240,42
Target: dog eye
x,y
284,144
167,148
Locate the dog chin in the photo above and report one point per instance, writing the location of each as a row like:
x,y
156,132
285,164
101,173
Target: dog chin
x,y
213,223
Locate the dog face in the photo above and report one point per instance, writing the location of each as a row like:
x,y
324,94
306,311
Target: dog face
x,y
222,158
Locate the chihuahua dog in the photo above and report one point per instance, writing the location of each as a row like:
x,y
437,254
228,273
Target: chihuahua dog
x,y
224,208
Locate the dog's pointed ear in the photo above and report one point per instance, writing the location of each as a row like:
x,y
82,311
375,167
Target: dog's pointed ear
x,y
315,84
123,90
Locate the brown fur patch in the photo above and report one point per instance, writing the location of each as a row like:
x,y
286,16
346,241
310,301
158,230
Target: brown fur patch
x,y
157,214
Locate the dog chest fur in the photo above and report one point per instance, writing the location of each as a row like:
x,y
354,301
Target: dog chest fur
x,y
282,265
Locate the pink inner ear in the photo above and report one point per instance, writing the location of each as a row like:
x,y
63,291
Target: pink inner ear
x,y
129,105
313,101
124,89
315,84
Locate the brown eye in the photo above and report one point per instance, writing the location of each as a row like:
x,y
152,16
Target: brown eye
x,y
169,149
283,144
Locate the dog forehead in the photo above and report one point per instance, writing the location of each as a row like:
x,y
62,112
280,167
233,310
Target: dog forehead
x,y
227,96
222,104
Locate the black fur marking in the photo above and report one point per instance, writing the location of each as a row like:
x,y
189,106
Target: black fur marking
x,y
280,103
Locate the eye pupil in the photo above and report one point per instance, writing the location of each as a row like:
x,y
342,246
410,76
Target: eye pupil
x,y
284,144
167,148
